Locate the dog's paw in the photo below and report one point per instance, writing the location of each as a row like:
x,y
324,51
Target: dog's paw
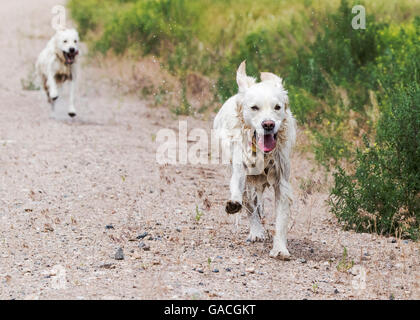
x,y
72,114
282,254
257,233
233,207
256,236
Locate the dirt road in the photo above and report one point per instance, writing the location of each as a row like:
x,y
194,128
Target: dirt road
x,y
73,192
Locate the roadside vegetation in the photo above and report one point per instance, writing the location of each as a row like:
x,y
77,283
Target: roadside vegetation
x,y
354,92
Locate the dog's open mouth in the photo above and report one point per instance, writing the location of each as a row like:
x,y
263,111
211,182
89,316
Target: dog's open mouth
x,y
265,142
70,57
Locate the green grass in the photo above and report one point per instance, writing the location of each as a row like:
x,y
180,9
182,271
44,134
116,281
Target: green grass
x,y
198,214
345,262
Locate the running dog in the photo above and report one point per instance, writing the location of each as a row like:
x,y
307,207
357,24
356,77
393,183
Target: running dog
x,y
258,131
57,64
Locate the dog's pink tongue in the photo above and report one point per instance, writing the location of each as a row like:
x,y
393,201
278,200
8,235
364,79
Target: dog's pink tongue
x,y
267,142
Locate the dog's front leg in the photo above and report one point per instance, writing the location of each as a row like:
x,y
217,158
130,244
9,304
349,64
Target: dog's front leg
x,y
72,109
52,87
254,205
237,182
282,207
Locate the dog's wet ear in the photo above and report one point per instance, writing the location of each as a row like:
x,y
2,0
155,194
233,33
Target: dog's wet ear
x,y
244,82
268,76
286,104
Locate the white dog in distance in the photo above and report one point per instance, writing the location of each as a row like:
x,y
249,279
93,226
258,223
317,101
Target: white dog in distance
x,y
57,64
258,131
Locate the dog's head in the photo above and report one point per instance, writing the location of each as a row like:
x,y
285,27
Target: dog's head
x,y
67,44
264,107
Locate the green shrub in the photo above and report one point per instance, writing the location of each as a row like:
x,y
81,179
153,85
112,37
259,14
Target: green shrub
x,y
84,15
147,24
383,194
305,107
339,56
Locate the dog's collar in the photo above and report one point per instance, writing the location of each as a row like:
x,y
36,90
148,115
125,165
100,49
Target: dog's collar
x,y
253,145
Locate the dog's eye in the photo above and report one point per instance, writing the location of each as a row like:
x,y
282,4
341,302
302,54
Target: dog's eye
x,y
255,108
277,107
75,41
65,41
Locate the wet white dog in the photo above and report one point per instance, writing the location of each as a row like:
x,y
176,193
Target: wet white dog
x,y
258,131
57,64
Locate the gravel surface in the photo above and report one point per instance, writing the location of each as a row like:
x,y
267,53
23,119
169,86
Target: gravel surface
x,y
87,213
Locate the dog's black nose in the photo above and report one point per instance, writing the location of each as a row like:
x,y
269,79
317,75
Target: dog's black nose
x,y
72,50
268,125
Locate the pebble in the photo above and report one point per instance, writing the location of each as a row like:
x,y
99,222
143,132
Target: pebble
x,y
336,291
178,230
109,226
144,246
216,270
195,293
243,274
228,269
354,271
142,236
119,255
200,271
136,255
393,241
250,270
302,260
